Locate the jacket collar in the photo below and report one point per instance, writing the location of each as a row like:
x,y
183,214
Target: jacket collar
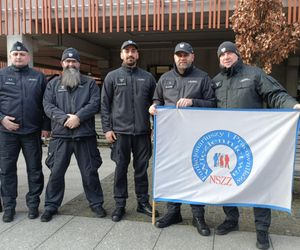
x,y
128,69
235,68
186,72
16,69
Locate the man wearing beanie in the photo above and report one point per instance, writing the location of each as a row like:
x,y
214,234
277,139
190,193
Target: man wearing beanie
x,y
22,123
184,86
245,87
71,102
126,96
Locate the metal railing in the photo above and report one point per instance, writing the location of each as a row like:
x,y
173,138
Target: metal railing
x,y
101,16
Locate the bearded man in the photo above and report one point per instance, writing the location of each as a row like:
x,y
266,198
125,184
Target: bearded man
x,y
71,102
126,96
184,86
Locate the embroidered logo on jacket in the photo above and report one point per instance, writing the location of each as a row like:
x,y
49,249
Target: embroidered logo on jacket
x,y
245,79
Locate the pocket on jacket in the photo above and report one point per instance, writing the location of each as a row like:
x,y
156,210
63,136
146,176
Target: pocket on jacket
x,y
143,88
245,84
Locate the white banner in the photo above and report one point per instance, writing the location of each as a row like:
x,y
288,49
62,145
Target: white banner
x,y
225,157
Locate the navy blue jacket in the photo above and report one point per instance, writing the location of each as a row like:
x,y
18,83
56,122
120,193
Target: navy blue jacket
x,y
21,96
194,84
125,99
83,101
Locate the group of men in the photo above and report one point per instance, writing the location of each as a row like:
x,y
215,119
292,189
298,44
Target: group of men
x,y
69,102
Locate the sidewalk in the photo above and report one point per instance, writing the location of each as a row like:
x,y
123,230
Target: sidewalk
x,y
75,227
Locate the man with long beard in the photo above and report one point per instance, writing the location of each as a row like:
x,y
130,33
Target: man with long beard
x,y
71,102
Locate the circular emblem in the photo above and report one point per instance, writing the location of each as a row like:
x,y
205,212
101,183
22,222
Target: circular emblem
x,y
222,157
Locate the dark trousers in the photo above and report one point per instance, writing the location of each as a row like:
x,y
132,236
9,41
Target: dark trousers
x,y
10,146
58,160
197,210
262,216
140,146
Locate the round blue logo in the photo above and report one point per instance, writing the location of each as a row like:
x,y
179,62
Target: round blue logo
x,y
222,157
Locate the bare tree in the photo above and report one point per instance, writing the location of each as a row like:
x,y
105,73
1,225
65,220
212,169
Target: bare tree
x,y
263,35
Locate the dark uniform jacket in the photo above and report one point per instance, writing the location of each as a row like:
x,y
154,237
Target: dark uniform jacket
x,y
125,99
244,86
21,96
83,101
194,84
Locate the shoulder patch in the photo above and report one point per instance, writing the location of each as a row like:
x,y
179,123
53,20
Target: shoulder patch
x,y
218,84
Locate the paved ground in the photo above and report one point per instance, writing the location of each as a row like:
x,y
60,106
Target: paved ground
x,y
282,222
76,227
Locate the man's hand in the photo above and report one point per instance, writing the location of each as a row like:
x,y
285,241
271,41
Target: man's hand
x,y
152,109
72,122
8,123
110,136
184,102
296,106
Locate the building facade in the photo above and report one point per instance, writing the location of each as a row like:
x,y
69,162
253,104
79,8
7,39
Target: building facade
x,y
98,27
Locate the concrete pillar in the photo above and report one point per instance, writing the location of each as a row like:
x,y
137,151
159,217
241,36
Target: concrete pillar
x,y
26,40
292,75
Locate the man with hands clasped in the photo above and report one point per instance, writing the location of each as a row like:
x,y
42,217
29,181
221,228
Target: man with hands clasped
x,y
71,102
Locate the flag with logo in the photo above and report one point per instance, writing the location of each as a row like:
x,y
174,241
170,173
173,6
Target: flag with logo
x,y
225,157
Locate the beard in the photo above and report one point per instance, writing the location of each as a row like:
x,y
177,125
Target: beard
x,y
130,62
183,67
70,77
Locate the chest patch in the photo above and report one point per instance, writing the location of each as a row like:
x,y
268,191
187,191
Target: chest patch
x,y
169,84
10,80
62,88
192,81
121,81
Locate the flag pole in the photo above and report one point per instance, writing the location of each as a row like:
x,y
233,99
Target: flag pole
x,y
153,212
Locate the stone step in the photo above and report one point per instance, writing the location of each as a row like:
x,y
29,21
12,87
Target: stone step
x,y
101,137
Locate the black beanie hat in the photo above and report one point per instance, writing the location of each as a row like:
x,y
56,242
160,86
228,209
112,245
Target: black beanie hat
x,y
18,46
227,46
70,53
